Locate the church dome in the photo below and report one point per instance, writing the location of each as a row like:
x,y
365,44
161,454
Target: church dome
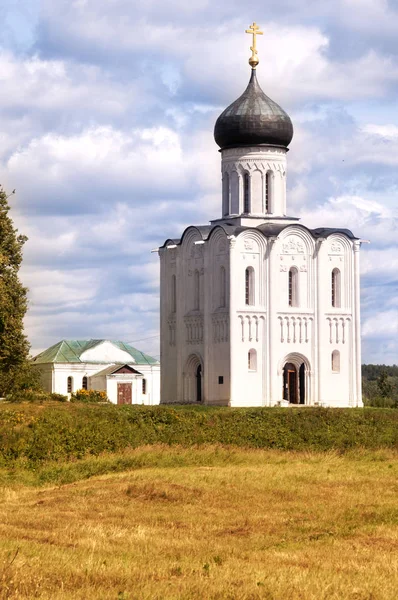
x,y
253,119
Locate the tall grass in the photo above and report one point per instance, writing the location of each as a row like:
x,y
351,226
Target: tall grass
x,y
208,523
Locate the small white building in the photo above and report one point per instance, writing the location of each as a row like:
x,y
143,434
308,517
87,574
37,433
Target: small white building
x,y
127,375
256,309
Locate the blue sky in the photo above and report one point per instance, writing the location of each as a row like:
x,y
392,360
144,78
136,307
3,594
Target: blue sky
x,y
107,109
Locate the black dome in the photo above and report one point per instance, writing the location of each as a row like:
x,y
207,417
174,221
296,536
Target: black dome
x,y
253,119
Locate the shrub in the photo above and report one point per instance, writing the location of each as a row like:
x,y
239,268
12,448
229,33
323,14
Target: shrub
x,y
58,397
91,396
28,396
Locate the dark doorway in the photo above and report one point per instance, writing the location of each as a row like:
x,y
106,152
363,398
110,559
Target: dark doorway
x,y
124,394
199,384
302,384
290,391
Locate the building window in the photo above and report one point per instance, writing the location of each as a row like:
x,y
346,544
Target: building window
x,y
225,195
144,386
249,286
252,360
268,191
173,294
336,361
220,379
336,292
70,385
246,193
222,287
196,291
84,383
293,287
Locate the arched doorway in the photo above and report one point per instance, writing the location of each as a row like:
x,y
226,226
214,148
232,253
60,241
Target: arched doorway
x,y
290,387
193,379
295,378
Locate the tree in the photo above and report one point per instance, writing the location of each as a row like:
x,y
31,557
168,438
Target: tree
x,y
14,346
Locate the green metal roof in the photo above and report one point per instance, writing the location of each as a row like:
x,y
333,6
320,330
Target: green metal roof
x,y
69,351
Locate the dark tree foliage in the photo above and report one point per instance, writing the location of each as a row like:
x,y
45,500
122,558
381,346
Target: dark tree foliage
x,y
380,385
14,346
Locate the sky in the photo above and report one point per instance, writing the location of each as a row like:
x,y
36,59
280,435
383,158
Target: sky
x,y
107,111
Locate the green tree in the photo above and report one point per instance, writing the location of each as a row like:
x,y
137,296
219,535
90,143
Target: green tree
x,y
15,371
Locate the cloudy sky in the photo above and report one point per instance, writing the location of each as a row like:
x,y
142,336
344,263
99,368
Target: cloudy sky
x,y
107,109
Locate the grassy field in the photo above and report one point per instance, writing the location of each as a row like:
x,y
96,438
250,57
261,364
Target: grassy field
x,y
160,523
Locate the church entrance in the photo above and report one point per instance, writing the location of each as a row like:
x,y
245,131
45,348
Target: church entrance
x,y
294,383
193,379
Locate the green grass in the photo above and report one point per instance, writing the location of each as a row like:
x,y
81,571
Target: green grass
x,y
39,433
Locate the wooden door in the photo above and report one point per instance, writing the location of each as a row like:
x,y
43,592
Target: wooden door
x,y
124,393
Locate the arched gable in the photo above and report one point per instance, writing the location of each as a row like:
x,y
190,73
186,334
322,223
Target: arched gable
x,y
296,239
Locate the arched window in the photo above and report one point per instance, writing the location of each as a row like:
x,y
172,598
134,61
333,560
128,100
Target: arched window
x,y
144,386
249,286
268,183
252,360
196,290
246,193
84,383
70,385
336,291
293,287
336,361
173,294
223,290
225,194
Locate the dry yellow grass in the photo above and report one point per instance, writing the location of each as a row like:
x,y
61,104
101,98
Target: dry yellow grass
x,y
256,524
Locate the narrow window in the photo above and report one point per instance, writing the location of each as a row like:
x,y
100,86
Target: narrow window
x,y
173,294
70,385
144,386
84,383
249,286
336,361
225,194
252,360
196,303
246,199
336,293
222,287
267,191
293,287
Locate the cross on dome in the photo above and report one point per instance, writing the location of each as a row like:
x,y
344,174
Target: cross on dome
x,y
254,30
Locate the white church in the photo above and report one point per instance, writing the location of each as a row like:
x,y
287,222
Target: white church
x,y
257,309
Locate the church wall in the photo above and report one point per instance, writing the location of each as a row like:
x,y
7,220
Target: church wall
x,y
248,327
216,308
169,310
338,325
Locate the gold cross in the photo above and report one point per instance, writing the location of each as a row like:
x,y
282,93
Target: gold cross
x,y
254,30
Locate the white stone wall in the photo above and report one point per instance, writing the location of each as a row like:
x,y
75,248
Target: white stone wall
x,y
221,337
